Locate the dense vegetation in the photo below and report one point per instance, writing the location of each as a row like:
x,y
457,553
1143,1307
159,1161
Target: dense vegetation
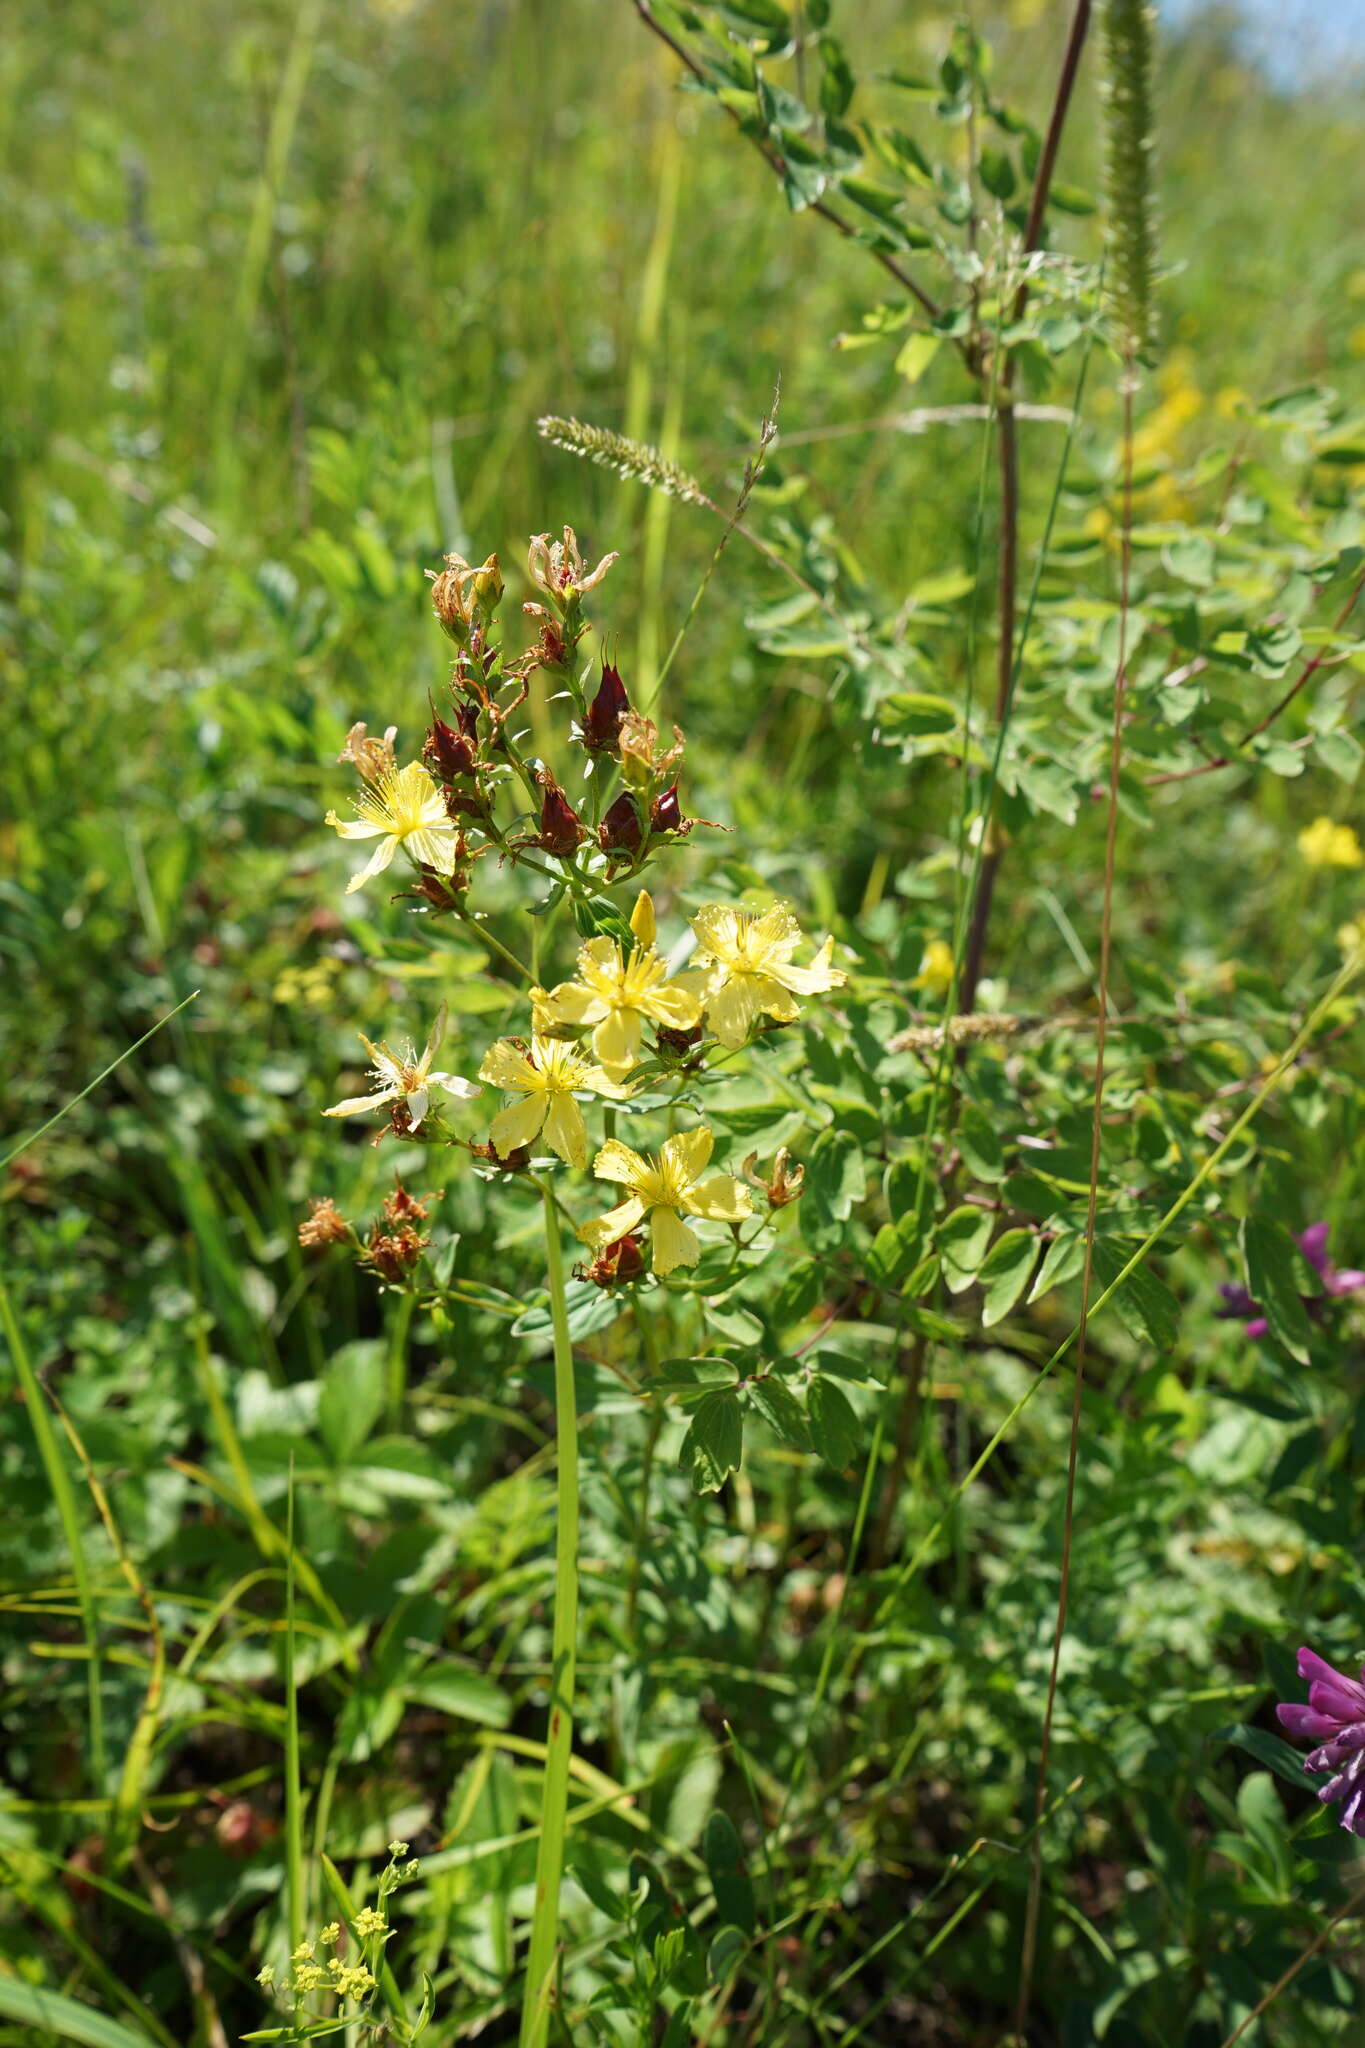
x,y
949,1528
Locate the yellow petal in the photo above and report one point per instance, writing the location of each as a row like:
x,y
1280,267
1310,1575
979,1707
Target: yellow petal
x,y
685,1156
616,1041
606,1229
504,1067
379,860
820,975
674,1243
353,828
772,998
518,1124
434,848
775,933
642,919
355,1104
617,1162
722,1198
732,1009
571,1003
672,1005
565,1131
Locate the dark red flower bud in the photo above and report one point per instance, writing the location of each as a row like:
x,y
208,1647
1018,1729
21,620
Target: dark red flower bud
x,y
620,831
560,827
449,753
602,719
617,1264
665,813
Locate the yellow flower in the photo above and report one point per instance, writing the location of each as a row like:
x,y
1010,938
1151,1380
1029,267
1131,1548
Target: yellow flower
x,y
545,1079
615,995
935,968
404,809
1324,844
1351,937
407,1080
745,971
368,1922
664,1190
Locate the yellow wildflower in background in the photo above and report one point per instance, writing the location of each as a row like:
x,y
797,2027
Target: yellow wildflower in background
x,y
615,995
545,1079
402,809
1351,937
663,1190
935,968
407,1080
1325,844
745,969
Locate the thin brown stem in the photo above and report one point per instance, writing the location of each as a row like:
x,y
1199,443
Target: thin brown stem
x,y
1356,1900
1092,1204
888,263
1008,444
911,1403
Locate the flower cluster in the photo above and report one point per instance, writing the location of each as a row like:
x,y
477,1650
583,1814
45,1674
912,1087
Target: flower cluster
x,y
1334,1719
631,1029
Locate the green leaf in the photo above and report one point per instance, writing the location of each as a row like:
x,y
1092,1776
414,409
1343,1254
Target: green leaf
x,y
979,1144
781,1410
1268,1749
352,1396
962,1241
996,173
463,1693
714,1443
1144,1304
1270,1258
723,1855
836,1178
833,1424
916,354
1005,1274
56,2017
1062,1261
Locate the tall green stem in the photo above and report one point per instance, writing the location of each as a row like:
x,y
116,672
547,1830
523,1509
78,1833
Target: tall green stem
x,y
541,1959
64,1497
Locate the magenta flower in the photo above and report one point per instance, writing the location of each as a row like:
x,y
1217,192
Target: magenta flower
x,y
1240,1307
1334,1718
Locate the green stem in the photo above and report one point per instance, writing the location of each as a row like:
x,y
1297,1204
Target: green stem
x,y
541,1959
64,1495
293,1787
649,1345
398,1361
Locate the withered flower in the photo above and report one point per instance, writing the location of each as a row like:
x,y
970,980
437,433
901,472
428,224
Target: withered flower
x,y
324,1223
372,758
558,568
784,1183
642,765
451,750
401,1207
394,1253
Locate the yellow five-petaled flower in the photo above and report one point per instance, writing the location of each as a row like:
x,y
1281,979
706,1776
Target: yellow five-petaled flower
x,y
663,1191
545,1079
745,969
615,994
404,808
409,1081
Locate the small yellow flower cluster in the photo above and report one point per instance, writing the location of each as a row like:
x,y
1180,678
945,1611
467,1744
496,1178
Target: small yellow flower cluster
x,y
1325,844
313,986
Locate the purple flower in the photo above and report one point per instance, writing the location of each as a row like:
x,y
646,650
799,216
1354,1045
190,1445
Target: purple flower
x,y
1240,1307
1334,1718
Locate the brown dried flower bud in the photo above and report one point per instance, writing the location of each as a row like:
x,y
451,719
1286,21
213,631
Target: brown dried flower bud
x,y
449,751
373,758
618,1264
621,830
324,1224
393,1254
561,829
602,719
665,813
452,598
401,1207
